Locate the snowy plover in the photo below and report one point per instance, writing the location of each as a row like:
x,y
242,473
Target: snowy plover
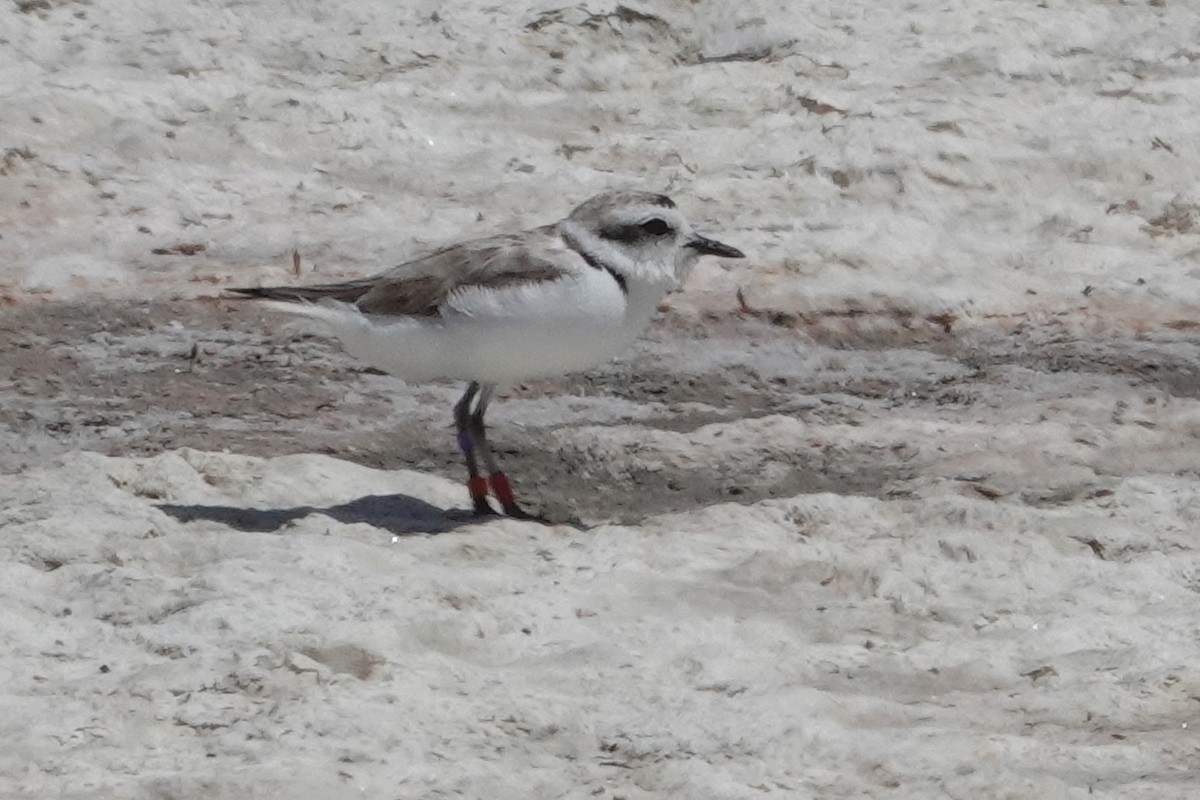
x,y
546,301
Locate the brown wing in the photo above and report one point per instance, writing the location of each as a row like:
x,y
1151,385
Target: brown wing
x,y
347,291
420,287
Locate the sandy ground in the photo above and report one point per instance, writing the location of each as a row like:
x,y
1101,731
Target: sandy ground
x,y
978,579
134,378
902,506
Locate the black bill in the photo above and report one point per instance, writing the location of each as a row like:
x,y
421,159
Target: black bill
x,y
711,247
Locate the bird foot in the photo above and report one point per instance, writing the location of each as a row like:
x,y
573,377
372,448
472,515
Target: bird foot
x,y
516,512
482,508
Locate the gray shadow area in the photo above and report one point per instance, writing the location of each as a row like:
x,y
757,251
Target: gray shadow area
x,y
396,513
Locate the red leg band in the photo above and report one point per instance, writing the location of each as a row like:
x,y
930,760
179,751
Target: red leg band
x,y
478,487
502,490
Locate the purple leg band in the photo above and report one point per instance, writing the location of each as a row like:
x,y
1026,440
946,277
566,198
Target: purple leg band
x,y
465,442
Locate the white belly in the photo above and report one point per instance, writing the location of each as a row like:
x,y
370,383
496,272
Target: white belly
x,y
501,336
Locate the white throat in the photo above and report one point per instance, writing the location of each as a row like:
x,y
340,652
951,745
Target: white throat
x,y
646,266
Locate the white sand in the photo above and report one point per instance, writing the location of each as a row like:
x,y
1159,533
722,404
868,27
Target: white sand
x,y
1004,162
821,646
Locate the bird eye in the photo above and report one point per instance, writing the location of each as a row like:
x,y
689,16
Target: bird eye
x,y
656,227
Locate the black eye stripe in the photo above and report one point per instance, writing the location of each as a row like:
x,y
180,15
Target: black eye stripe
x,y
649,229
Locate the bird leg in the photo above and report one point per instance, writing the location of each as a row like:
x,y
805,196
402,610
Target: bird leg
x,y
477,485
498,480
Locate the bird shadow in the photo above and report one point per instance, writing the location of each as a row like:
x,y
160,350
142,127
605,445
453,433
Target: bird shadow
x,y
397,513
